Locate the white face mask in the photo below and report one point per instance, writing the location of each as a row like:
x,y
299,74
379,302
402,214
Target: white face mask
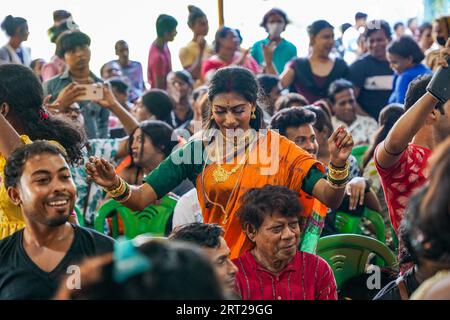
x,y
275,29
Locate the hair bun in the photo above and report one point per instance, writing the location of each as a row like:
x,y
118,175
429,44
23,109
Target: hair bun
x,y
7,21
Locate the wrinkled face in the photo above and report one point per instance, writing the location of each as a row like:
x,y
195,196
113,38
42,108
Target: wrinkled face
x,y
377,43
345,106
201,26
231,111
78,58
142,149
304,137
226,270
324,41
399,64
46,191
122,50
140,112
277,238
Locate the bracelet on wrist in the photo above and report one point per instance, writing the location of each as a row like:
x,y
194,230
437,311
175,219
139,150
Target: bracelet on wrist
x,y
337,181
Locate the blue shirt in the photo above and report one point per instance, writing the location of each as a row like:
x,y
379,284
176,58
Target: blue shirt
x,y
401,82
133,72
95,116
284,52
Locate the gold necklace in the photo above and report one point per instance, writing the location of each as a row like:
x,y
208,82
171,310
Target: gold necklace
x,y
220,174
225,218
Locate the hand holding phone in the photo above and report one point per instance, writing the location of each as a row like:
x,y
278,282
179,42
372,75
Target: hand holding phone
x,y
92,92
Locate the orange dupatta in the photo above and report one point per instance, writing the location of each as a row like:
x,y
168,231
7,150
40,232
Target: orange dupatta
x,y
289,166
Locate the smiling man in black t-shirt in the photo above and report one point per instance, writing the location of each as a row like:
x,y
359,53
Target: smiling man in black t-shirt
x,y
34,259
371,74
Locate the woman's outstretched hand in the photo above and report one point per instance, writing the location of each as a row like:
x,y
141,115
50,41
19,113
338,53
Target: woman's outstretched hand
x,y
102,173
340,145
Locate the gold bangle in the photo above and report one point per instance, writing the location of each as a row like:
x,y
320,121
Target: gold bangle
x,y
117,192
338,171
339,177
337,186
126,198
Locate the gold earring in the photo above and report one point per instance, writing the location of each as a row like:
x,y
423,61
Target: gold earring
x,y
253,116
212,116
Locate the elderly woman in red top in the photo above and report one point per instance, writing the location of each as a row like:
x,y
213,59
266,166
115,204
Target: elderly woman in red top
x,y
274,269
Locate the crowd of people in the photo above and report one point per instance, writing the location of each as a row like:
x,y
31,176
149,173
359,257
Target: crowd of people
x,y
256,145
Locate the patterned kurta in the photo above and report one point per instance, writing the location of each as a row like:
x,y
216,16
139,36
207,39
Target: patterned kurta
x,y
306,277
402,179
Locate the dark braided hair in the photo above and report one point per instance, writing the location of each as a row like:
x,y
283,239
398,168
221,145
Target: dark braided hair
x,y
22,91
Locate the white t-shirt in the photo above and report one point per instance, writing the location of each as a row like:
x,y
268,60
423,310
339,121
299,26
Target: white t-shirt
x,y
187,209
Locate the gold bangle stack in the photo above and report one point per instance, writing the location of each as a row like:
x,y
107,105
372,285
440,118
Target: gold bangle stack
x,y
122,193
338,177
117,191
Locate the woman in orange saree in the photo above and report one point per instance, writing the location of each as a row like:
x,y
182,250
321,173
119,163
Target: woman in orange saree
x,y
235,154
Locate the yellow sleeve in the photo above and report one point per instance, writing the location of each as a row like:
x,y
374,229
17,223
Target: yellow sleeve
x,y
11,218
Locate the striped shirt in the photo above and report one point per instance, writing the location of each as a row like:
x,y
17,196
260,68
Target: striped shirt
x,y
306,277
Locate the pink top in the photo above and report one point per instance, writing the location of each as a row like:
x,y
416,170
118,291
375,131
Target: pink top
x,y
402,179
214,63
53,68
306,277
159,64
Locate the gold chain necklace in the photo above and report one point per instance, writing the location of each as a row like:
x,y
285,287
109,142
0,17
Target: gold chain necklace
x,y
220,174
225,218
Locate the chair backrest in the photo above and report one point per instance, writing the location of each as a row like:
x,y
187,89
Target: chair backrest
x,y
80,216
349,223
110,209
348,254
358,152
153,219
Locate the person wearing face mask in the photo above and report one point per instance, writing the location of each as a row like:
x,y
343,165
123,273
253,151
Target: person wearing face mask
x,y
440,33
16,28
274,21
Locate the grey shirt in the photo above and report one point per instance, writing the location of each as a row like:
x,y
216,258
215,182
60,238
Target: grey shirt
x,y
95,116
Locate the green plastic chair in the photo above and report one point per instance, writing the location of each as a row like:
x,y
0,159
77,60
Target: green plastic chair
x,y
349,223
110,209
80,216
152,220
155,218
358,152
348,255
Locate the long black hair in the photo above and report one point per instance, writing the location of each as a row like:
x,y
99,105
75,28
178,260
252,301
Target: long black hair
x,y
22,91
241,81
160,134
